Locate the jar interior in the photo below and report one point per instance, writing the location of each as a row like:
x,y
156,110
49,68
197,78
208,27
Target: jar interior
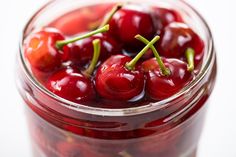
x,y
56,9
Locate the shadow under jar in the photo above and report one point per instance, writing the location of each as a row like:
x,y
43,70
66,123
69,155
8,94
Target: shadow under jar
x,y
168,128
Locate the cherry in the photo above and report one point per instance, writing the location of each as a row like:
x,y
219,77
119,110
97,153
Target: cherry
x,y
74,85
67,149
47,49
41,51
81,51
164,76
71,85
81,20
114,81
118,78
130,21
164,141
77,149
177,38
160,87
165,16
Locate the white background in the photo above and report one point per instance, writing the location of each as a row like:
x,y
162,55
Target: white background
x,y
219,136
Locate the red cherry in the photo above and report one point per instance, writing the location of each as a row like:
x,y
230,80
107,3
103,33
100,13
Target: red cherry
x,y
159,144
160,87
177,38
72,149
114,81
41,51
165,16
118,78
82,51
130,21
80,20
71,85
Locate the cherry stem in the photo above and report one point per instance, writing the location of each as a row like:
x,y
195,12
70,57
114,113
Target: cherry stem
x,y
190,53
164,70
97,50
61,43
130,65
111,14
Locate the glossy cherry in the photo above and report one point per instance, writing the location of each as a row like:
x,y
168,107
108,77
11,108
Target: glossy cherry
x,y
118,78
114,81
165,16
41,51
130,21
165,76
160,87
81,52
176,39
74,85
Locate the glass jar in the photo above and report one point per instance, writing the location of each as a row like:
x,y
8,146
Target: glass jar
x,y
168,128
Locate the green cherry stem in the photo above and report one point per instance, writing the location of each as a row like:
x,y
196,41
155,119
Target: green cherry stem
x,y
111,14
190,53
97,50
165,71
61,43
130,65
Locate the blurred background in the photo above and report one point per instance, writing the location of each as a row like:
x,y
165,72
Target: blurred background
x,y
219,136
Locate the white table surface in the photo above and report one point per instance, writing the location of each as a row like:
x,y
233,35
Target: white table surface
x,y
219,134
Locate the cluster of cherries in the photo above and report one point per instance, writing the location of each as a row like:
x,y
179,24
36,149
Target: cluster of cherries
x,y
119,60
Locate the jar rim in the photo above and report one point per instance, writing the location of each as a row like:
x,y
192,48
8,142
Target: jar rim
x,y
122,111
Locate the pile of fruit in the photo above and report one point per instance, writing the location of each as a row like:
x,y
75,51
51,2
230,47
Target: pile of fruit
x,y
134,54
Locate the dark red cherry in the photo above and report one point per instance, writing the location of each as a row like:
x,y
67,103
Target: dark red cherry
x,y
165,16
114,81
176,39
119,77
41,52
81,52
130,21
160,87
71,85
